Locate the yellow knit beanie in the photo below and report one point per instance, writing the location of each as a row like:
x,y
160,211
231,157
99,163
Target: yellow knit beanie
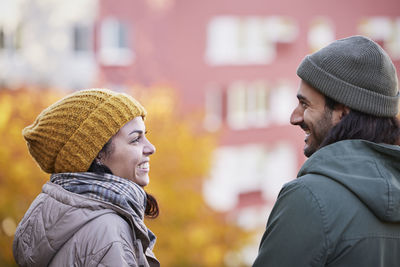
x,y
68,135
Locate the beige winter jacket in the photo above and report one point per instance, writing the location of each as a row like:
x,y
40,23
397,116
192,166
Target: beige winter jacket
x,y
66,229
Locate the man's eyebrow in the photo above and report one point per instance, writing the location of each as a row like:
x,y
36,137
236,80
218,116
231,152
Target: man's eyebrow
x,y
136,131
301,97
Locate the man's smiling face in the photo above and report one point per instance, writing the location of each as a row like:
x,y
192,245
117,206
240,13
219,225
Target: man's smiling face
x,y
312,116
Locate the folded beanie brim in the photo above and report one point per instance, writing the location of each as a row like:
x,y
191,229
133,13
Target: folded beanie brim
x,y
353,96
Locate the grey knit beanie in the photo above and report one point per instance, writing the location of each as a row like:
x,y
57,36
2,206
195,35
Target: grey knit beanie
x,y
356,72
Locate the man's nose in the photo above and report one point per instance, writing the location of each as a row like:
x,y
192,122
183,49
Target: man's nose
x,y
297,116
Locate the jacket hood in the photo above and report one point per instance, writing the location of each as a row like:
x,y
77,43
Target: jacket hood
x,y
52,219
370,171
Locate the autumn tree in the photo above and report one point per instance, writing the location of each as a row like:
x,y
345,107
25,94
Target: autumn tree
x,y
20,177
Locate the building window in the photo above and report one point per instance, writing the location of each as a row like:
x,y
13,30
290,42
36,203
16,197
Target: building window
x,y
233,40
256,104
114,43
11,38
17,37
236,105
283,101
82,38
265,168
320,34
248,105
393,44
2,39
384,30
213,108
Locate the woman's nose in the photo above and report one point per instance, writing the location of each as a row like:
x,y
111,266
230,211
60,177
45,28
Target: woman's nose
x,y
149,148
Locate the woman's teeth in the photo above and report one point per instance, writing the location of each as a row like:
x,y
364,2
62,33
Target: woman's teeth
x,y
144,165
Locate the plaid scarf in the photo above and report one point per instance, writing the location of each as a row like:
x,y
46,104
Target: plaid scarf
x,y
108,188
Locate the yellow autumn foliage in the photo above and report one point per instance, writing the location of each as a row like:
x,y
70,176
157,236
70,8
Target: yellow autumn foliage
x,y
20,178
189,233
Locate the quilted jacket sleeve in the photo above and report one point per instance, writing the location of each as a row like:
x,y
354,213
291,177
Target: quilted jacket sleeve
x,y
115,254
295,233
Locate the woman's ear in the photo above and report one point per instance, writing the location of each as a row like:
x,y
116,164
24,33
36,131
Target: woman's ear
x,y
99,158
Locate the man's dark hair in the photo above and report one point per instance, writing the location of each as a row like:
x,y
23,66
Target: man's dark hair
x,y
359,125
152,210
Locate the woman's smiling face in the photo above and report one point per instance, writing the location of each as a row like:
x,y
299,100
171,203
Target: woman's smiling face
x,y
130,152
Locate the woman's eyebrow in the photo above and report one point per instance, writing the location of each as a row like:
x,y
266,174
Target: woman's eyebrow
x,y
136,131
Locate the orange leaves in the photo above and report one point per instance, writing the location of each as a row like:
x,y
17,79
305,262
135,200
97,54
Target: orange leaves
x,y
20,177
5,110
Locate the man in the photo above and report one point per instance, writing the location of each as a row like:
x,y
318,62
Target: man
x,y
344,207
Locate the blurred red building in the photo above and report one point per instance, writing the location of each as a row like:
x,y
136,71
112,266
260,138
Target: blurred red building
x,y
233,60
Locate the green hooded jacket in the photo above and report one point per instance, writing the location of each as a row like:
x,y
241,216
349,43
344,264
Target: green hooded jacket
x,y
342,210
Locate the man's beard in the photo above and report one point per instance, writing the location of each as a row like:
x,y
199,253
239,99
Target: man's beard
x,y
318,132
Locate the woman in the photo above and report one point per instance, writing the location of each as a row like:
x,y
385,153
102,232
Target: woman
x,y
91,212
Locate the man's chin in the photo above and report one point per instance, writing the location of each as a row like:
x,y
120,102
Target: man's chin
x,y
308,150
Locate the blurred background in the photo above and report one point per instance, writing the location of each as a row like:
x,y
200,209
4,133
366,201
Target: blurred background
x,y
218,78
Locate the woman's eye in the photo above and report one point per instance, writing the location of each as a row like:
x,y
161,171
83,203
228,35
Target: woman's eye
x,y
135,140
